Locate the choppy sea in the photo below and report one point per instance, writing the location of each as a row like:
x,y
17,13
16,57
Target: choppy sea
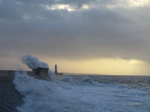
x,y
84,93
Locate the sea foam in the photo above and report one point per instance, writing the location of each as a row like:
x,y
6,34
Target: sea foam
x,y
83,96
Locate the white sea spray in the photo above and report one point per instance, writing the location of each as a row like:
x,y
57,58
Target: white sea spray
x,y
33,62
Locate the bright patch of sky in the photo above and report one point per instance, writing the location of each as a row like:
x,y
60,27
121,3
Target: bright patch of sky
x,y
65,7
129,3
117,3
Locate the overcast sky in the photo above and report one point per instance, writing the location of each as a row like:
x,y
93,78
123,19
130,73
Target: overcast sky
x,y
75,29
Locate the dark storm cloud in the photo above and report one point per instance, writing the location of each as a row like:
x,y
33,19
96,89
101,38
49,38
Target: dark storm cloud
x,y
28,26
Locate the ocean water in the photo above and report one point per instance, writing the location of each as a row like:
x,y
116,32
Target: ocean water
x,y
80,94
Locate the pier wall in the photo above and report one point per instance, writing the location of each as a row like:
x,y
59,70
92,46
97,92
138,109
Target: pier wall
x,y
10,98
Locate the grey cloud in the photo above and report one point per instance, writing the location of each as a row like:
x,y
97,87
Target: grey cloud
x,y
29,28
9,11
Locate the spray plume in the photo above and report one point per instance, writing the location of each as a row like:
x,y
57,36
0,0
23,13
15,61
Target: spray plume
x,y
33,62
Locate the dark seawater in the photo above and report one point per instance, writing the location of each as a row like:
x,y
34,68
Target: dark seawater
x,y
141,82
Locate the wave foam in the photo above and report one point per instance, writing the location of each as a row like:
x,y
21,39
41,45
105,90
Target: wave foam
x,y
66,96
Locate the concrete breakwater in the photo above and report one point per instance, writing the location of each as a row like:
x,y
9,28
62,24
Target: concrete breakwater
x,y
10,98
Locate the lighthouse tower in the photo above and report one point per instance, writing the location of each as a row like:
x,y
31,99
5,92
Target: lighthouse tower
x,y
55,69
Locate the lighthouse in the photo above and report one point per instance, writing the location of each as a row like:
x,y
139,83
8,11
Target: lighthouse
x,y
55,68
